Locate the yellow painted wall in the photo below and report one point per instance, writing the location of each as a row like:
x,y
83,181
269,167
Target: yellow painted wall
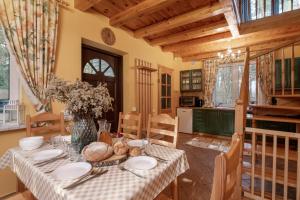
x,y
74,27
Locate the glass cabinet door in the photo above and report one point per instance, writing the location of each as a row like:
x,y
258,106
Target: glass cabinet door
x,y
185,80
196,79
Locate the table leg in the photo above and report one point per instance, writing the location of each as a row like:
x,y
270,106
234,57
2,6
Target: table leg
x,y
175,189
20,186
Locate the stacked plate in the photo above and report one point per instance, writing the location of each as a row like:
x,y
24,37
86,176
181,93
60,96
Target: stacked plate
x,y
72,171
140,163
46,155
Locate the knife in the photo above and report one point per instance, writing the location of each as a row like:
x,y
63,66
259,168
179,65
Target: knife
x,y
83,180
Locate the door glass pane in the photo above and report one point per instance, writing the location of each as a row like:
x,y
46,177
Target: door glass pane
x,y
104,65
163,78
169,103
88,69
95,63
109,72
163,91
163,103
168,79
169,91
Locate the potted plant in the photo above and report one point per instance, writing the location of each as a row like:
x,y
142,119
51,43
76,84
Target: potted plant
x,y
84,102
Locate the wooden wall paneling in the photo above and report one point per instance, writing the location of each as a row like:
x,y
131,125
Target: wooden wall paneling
x,y
144,87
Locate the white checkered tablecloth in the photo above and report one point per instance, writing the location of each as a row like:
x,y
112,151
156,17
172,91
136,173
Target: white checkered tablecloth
x,y
114,185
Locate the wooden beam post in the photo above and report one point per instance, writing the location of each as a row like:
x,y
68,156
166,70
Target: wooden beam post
x,y
84,5
231,18
186,18
141,9
213,28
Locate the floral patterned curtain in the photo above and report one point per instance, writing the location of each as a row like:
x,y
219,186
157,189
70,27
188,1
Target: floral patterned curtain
x,y
265,71
210,70
31,30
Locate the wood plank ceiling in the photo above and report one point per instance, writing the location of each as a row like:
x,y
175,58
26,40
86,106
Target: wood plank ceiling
x,y
195,29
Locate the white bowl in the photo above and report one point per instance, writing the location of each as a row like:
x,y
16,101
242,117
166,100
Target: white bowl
x,y
31,143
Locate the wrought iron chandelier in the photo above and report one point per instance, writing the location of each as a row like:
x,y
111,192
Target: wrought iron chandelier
x,y
229,57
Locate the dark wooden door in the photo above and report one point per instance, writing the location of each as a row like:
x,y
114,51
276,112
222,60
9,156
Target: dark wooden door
x,y
100,66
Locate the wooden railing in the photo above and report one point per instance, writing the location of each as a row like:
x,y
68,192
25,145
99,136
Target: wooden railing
x,y
261,153
260,143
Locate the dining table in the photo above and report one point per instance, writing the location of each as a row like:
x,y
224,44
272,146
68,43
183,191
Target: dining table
x,y
115,184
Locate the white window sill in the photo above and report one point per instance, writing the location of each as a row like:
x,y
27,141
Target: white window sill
x,y
11,127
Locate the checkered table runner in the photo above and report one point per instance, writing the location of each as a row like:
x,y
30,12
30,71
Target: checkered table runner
x,y
114,185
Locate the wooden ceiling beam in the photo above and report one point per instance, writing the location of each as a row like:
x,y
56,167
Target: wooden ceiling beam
x,y
253,49
210,29
284,19
180,20
84,5
210,38
139,10
243,40
231,18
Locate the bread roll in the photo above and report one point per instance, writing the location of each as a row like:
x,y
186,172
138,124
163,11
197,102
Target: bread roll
x,y
135,151
97,151
120,148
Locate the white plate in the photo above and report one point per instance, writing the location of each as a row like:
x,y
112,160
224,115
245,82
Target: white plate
x,y
46,154
72,171
137,143
140,163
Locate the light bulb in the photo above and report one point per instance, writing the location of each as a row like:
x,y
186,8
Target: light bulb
x,y
239,52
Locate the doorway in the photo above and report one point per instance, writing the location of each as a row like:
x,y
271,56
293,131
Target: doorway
x,y
101,66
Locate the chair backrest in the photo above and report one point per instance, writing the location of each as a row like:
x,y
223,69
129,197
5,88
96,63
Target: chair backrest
x,y
45,123
226,182
130,125
160,126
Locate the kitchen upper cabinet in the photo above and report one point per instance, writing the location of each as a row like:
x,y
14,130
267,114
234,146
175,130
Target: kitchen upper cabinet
x,y
191,80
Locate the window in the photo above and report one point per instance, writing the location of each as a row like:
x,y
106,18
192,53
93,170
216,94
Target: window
x,y
256,9
4,67
98,65
228,83
165,91
9,82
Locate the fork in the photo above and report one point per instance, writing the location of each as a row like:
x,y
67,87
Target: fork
x,y
121,167
95,173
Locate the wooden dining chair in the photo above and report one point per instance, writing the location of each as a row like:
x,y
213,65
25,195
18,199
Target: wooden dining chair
x,y
226,182
130,125
45,124
159,127
163,130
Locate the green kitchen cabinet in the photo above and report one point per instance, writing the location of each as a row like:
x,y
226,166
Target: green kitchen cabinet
x,y
191,80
